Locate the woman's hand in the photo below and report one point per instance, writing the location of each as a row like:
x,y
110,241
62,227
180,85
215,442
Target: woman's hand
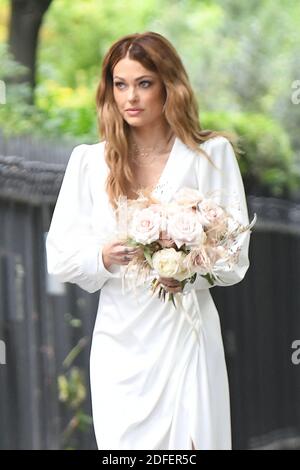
x,y
170,284
118,252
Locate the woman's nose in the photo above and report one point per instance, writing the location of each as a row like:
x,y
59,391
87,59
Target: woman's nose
x,y
132,94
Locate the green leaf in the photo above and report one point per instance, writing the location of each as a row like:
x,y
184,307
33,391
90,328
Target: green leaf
x,y
131,242
160,292
148,257
171,298
209,278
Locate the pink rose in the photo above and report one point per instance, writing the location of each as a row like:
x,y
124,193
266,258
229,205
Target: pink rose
x,y
184,227
197,261
145,226
211,213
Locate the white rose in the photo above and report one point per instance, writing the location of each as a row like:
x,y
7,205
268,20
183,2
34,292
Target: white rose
x,y
184,227
169,263
145,226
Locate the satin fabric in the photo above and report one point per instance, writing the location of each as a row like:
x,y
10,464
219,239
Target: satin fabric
x,y
158,374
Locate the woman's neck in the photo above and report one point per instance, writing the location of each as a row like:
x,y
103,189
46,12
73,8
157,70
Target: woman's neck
x,y
148,137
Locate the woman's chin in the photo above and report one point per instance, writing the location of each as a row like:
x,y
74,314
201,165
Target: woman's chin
x,y
135,122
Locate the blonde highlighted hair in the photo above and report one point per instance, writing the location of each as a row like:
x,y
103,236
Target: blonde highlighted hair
x,y
158,55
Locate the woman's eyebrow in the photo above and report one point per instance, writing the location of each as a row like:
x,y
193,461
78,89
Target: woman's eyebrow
x,y
138,78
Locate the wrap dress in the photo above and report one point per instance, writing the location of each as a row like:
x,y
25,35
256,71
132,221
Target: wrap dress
x,y
158,374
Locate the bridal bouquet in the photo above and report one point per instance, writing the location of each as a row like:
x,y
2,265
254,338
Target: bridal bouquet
x,y
189,236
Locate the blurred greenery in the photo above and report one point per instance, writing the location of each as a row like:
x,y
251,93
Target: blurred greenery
x,y
267,158
72,392
17,116
242,58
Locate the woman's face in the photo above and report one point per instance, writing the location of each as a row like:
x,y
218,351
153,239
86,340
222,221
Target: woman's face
x,y
138,92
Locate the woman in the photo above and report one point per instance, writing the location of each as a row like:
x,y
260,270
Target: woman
x,y
154,384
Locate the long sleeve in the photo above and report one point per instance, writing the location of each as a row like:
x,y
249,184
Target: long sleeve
x,y
227,184
74,251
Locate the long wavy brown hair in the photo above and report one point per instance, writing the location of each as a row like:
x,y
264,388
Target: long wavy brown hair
x,y
158,55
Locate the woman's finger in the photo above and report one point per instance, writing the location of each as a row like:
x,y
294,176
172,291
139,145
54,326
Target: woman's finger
x,y
173,286
129,250
173,290
170,289
168,279
129,247
169,282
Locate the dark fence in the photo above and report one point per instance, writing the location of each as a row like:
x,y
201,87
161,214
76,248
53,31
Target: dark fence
x,y
47,327
37,149
260,319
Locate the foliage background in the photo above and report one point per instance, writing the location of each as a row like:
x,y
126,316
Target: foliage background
x,y
242,59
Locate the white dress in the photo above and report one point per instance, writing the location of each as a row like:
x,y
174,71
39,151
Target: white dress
x,y
157,382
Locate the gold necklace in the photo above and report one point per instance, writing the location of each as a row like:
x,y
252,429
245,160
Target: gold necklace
x,y
141,155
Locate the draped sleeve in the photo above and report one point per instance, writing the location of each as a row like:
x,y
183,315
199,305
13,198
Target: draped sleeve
x,y
226,184
73,249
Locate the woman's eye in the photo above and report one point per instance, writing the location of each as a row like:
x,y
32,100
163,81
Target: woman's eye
x,y
143,84
117,84
147,83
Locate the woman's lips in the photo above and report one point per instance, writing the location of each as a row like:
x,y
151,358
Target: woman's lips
x,y
133,112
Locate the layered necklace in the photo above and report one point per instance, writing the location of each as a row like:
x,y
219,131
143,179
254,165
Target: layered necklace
x,y
145,156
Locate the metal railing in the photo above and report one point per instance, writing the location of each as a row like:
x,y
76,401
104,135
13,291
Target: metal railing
x,y
41,324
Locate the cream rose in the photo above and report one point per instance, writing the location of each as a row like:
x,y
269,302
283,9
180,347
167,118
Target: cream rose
x,y
145,226
169,263
184,227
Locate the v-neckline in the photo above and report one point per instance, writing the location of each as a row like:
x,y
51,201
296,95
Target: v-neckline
x,y
166,167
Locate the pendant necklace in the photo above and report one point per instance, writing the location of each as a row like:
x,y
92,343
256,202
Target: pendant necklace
x,y
141,155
